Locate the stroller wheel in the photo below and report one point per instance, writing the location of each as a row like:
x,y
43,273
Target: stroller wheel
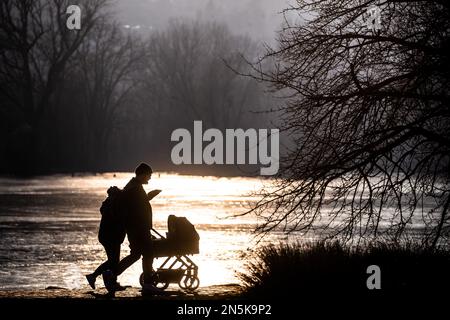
x,y
189,283
159,285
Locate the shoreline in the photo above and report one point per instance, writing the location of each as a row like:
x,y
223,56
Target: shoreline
x,y
214,292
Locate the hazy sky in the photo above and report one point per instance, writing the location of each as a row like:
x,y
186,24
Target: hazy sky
x,y
257,18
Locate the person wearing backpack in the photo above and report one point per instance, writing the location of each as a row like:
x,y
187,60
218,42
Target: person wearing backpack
x,y
111,235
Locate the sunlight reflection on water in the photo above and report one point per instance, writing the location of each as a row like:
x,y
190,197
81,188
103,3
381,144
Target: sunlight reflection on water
x,y
49,226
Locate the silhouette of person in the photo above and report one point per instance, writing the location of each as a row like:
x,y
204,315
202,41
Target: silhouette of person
x,y
138,223
111,235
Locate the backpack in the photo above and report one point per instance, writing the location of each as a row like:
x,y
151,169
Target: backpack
x,y
111,206
112,229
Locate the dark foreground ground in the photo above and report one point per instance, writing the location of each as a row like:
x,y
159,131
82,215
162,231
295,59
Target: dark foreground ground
x,y
214,302
217,292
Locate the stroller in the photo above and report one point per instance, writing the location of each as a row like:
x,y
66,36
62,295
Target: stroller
x,y
181,240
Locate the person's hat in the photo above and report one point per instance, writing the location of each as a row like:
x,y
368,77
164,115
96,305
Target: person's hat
x,y
143,168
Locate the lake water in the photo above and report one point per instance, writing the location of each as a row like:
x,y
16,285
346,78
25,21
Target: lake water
x,y
48,226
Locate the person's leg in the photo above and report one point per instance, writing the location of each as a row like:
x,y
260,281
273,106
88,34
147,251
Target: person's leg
x,y
149,287
101,268
147,261
126,262
113,254
110,275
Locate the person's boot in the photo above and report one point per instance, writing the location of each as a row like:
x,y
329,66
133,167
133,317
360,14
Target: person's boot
x,y
119,287
150,289
91,280
109,280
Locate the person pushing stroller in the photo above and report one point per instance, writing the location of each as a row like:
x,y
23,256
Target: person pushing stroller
x,y
132,214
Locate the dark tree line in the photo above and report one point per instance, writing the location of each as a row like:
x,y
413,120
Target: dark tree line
x,y
103,97
35,47
369,114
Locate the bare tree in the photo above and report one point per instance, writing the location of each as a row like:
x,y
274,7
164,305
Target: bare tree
x,y
106,66
35,46
369,115
185,70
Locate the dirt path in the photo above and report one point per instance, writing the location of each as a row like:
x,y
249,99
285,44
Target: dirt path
x,y
230,291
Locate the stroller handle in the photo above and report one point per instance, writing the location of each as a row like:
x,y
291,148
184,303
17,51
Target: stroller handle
x,y
157,233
